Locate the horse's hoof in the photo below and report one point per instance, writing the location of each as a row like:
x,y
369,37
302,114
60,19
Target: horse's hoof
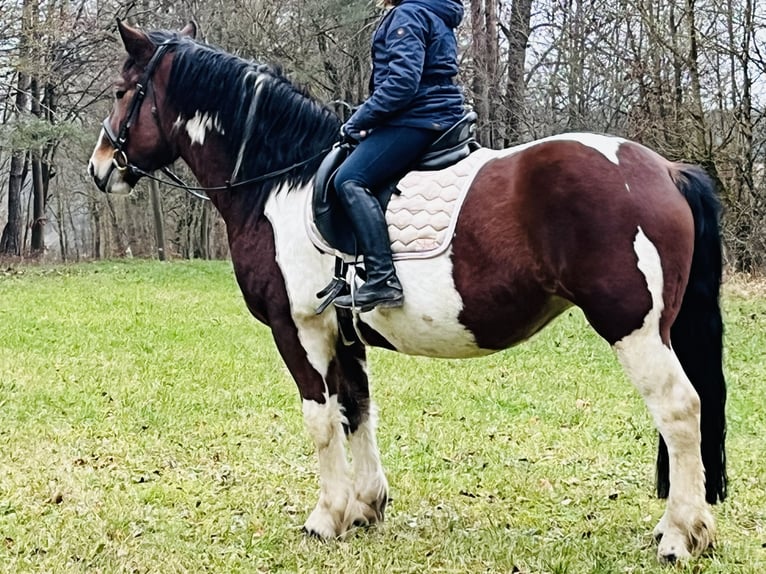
x,y
320,525
673,555
310,533
670,559
670,552
363,514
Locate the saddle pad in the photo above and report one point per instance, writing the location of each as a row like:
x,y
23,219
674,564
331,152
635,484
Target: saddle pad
x,y
422,216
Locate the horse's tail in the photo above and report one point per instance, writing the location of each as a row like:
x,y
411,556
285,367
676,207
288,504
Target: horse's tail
x,y
697,334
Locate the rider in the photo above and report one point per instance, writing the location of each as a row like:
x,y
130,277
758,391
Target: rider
x,y
413,99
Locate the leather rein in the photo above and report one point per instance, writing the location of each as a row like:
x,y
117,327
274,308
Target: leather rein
x,y
120,159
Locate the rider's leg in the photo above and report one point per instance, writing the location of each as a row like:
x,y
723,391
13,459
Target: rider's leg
x,y
382,286
381,157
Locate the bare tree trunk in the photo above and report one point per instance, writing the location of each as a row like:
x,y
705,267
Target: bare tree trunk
x,y
696,109
749,239
39,220
205,231
678,98
494,103
159,222
11,240
76,240
38,185
660,123
576,49
517,35
49,148
123,247
479,84
63,240
95,211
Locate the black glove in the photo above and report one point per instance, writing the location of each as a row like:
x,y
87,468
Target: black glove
x,y
351,135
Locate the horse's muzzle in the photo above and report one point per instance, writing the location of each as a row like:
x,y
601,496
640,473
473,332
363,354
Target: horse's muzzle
x,y
114,181
101,183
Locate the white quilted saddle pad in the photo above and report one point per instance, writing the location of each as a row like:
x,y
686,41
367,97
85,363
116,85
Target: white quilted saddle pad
x,y
423,215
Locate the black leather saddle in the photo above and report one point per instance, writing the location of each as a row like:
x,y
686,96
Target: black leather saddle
x,y
331,221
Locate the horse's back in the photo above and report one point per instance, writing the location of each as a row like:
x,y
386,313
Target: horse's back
x,y
578,218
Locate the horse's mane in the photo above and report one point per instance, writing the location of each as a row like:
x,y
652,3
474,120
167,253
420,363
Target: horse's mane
x,y
269,122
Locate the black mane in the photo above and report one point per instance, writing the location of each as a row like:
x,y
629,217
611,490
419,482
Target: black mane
x,y
264,116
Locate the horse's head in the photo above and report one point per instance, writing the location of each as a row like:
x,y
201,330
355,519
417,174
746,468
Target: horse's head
x,y
136,136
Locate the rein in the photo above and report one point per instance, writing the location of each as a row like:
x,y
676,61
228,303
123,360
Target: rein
x,y
193,190
120,159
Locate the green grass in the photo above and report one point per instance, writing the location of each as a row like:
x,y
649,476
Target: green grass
x,y
147,425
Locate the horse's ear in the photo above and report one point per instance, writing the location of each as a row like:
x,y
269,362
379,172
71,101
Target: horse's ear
x,y
190,30
137,43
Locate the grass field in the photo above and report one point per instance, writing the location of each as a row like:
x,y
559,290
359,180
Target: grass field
x,y
147,425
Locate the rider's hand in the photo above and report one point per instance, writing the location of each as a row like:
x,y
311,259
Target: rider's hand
x,y
351,135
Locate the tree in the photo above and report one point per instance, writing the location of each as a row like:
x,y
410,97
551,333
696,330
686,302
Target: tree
x,y
485,50
519,14
11,240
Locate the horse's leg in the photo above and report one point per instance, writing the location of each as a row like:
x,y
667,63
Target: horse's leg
x,y
370,486
688,526
308,349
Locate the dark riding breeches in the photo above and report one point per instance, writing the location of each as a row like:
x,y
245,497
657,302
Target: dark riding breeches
x,y
384,155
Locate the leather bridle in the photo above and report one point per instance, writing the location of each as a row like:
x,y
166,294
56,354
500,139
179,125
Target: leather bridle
x,y
118,141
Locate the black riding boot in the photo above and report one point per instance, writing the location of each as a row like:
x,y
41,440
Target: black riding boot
x,y
382,287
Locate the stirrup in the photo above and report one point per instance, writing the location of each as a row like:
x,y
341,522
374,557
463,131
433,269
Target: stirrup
x,y
335,288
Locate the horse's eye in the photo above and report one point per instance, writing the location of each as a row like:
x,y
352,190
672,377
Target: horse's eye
x,y
119,94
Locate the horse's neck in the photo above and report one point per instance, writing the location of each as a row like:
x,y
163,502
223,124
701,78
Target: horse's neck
x,y
208,161
208,157
212,168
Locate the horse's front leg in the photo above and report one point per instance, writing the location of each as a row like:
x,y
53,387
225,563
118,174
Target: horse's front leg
x,y
325,422
333,384
368,504
308,349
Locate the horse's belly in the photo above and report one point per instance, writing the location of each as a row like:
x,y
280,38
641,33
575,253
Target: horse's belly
x,y
422,334
428,324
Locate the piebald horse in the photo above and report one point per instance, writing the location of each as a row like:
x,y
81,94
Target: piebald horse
x,y
599,222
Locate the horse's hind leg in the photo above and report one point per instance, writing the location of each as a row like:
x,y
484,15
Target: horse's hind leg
x,y
370,484
687,526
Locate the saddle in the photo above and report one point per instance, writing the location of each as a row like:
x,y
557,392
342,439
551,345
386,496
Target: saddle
x,y
330,219
331,222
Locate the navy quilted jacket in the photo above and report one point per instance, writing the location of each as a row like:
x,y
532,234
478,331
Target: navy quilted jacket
x,y
414,64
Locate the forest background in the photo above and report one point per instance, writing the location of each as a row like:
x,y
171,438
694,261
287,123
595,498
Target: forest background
x,y
684,77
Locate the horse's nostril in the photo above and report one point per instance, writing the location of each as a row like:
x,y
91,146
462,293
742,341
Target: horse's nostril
x,y
91,169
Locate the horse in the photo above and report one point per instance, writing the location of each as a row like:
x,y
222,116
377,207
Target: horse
x,y
587,220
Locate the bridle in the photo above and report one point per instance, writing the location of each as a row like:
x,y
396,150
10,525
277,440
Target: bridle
x,y
120,160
